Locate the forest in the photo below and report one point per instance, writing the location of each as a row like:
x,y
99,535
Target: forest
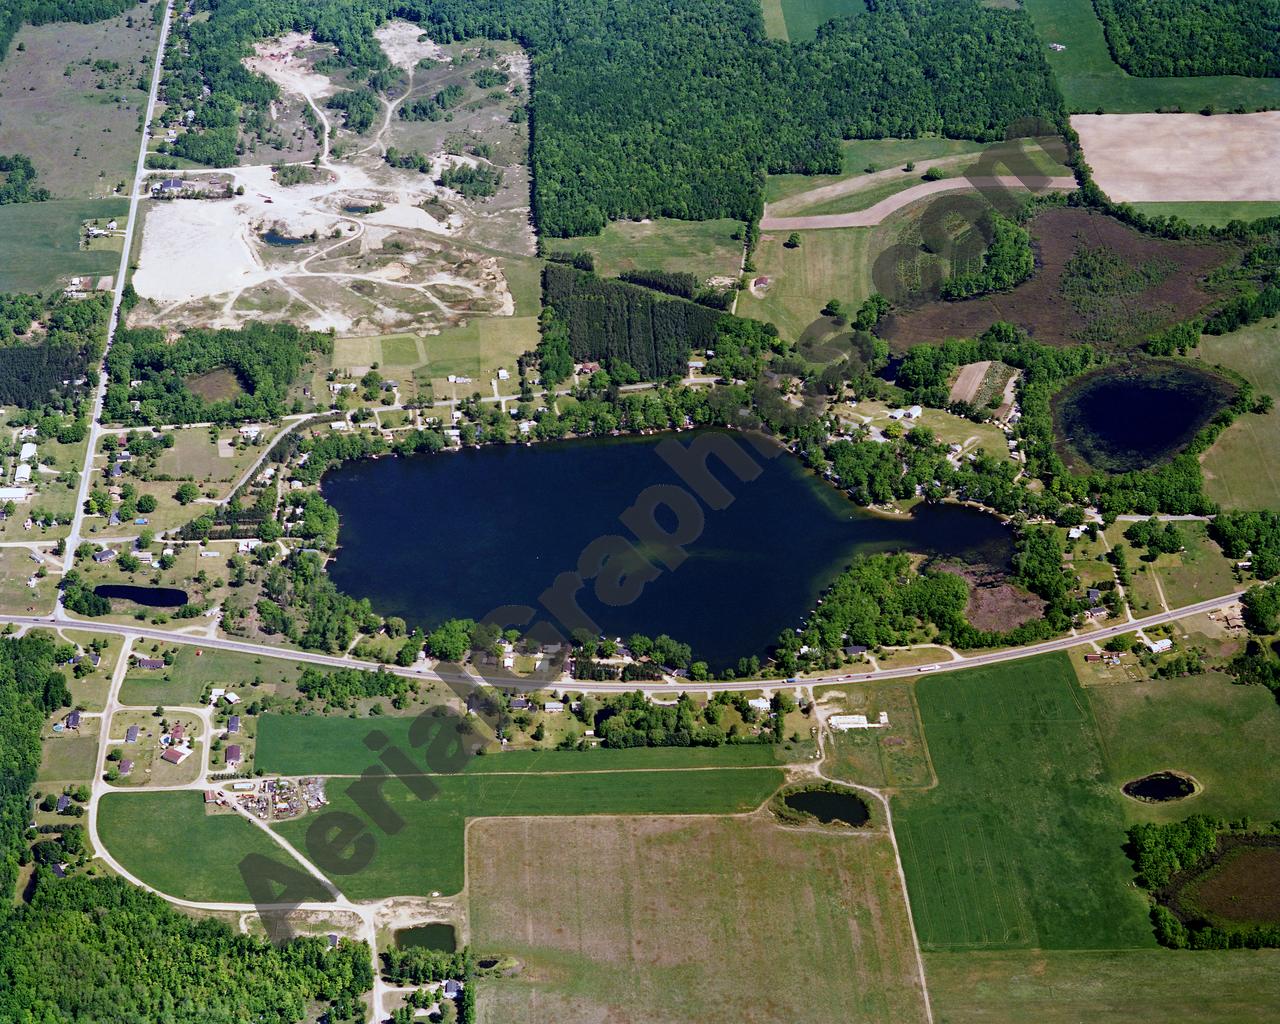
x,y
638,113
1180,38
34,364
18,181
265,359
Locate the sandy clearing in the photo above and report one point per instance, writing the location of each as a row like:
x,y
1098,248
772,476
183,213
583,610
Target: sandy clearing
x,y
399,41
967,383
194,249
279,60
873,215
1139,158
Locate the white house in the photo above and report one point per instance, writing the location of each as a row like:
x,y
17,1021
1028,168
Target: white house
x,y
759,703
1159,646
844,723
27,453
503,374
22,474
915,412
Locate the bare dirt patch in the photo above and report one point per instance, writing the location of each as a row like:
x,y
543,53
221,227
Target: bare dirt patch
x,y
968,381
1242,888
1042,307
215,386
995,604
1148,158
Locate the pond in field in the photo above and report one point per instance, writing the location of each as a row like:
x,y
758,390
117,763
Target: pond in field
x,y
150,597
830,806
1130,417
461,534
274,237
437,935
1160,786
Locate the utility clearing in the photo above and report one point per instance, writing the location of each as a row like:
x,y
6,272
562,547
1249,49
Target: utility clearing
x,y
347,241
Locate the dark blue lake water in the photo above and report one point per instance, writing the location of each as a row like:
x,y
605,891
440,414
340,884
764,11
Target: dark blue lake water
x,y
459,534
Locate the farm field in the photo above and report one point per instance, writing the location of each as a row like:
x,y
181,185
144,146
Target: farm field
x,y
40,243
834,263
1042,306
1225,736
1020,844
1069,986
1140,158
320,745
438,824
1234,476
1091,81
168,841
1211,214
733,933
705,248
859,154
69,100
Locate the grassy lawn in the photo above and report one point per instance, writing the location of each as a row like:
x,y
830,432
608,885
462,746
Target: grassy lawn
x,y
1020,844
833,263
1136,986
168,841
191,674
739,931
1213,214
478,348
1226,736
775,22
427,854
1201,571
1091,81
16,597
891,758
704,248
1234,476
40,242
803,17
193,456
859,154
318,745
69,756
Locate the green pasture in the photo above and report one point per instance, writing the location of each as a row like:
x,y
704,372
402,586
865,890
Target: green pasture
x,y
705,248
40,242
882,154
428,852
189,675
1212,214
1020,845
803,18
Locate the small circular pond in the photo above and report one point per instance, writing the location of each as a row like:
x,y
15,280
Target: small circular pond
x,y
437,935
1160,787
829,806
1121,418
150,597
276,238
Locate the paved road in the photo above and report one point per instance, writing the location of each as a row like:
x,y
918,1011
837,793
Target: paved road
x,y
873,215
140,171
137,633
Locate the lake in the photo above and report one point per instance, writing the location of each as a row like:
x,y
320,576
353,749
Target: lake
x,y
150,597
459,534
1119,419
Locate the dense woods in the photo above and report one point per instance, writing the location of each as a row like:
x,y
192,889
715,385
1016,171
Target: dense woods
x,y
265,359
18,181
34,364
1007,261
1177,38
644,108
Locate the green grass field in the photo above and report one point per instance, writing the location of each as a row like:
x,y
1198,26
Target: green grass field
x,y
705,248
478,348
69,756
40,242
1020,844
191,673
1199,572
168,841
1234,475
1226,736
834,263
1155,986
859,154
1090,80
428,853
1212,214
317,745
720,921
804,17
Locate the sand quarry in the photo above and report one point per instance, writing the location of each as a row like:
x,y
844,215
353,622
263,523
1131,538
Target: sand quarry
x,y
1168,158
208,262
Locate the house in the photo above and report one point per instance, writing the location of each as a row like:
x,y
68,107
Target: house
x,y
233,724
553,707
231,698
897,414
73,720
1075,533
853,650
126,766
151,663
1094,596
170,185
503,374
63,803
758,703
451,989
215,695
250,431
172,755
131,734
22,475
233,754
27,453
915,412
520,704
105,555
333,940
1159,646
60,870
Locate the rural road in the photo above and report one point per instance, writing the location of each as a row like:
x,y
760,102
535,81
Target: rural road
x,y
873,215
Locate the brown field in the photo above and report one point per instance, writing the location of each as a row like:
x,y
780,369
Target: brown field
x,y
1243,887
715,919
215,386
1140,158
1039,304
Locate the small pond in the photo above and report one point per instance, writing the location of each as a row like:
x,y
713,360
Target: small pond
x,y
274,237
1122,418
830,806
437,935
430,537
1160,786
151,597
